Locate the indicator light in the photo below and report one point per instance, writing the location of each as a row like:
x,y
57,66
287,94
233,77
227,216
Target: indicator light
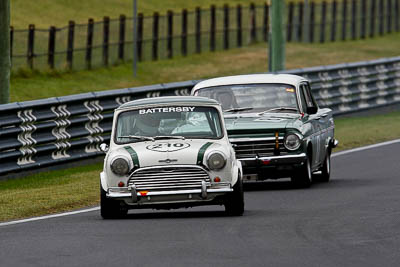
x,y
217,179
266,162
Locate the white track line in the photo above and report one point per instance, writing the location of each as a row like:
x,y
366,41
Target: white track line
x,y
365,148
49,216
97,208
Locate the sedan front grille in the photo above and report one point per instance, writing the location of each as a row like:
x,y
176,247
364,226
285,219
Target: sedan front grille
x,y
169,178
261,148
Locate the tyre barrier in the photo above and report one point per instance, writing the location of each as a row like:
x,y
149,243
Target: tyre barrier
x,y
57,130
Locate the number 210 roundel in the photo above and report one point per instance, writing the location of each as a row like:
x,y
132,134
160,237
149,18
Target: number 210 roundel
x,y
167,147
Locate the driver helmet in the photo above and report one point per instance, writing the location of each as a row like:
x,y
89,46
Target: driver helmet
x,y
226,98
148,124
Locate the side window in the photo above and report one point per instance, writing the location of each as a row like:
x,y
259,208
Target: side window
x,y
311,101
302,98
308,97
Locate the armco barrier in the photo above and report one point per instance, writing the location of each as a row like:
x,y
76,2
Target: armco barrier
x,y
57,130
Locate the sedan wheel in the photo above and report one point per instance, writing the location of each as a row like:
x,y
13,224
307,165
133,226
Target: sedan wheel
x,y
326,168
234,203
302,178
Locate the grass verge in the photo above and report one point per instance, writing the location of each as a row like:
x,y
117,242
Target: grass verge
x,y
49,192
360,131
63,190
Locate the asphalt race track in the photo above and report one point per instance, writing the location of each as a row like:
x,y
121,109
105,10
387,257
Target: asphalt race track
x,y
352,221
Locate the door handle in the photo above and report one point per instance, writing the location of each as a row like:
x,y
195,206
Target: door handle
x,y
324,115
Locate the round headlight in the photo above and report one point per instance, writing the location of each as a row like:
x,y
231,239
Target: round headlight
x,y
120,166
216,161
292,141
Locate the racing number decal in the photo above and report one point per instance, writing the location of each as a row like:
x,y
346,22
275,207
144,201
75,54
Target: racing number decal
x,y
167,147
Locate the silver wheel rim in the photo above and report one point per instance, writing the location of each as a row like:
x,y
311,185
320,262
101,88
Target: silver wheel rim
x,y
328,164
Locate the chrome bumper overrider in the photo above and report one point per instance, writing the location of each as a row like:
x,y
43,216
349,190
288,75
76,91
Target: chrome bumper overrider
x,y
334,143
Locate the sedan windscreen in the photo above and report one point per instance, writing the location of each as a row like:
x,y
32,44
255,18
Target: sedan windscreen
x,y
253,97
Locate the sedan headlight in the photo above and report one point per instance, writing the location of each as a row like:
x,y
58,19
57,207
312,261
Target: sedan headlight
x,y
216,161
292,141
120,166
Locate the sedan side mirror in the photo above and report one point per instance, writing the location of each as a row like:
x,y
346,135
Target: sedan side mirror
x,y
104,147
312,110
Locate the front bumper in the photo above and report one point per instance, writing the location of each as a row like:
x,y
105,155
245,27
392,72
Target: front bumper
x,y
274,160
261,168
133,197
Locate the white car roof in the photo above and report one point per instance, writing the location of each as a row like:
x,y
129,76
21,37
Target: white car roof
x,y
164,100
251,79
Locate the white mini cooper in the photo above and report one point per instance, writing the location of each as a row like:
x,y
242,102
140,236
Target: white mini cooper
x,y
169,152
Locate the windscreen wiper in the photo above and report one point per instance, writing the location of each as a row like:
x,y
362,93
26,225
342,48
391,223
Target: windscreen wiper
x,y
148,138
159,137
238,109
277,109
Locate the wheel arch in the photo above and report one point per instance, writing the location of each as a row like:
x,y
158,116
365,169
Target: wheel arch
x,y
237,170
103,181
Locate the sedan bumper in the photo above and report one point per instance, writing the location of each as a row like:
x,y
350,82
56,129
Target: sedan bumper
x,y
261,168
274,160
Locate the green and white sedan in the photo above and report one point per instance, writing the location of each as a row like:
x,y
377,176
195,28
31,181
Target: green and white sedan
x,y
275,126
169,152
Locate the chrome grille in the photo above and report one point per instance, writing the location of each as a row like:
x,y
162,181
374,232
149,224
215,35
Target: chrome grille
x,y
261,148
168,178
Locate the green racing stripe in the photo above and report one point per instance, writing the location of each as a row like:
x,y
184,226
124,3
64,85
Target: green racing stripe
x,y
134,156
202,150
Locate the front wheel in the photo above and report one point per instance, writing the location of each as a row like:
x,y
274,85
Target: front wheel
x,y
326,168
110,208
234,203
303,176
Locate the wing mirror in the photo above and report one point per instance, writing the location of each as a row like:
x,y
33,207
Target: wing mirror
x,y
312,110
104,147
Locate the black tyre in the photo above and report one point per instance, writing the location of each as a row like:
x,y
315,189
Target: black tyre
x,y
326,168
303,176
234,203
110,208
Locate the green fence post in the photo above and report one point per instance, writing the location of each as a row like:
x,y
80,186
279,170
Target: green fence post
x,y
277,40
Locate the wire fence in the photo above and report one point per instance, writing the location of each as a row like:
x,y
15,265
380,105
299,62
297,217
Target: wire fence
x,y
110,41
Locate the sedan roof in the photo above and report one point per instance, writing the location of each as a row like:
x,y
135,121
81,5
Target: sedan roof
x,y
251,79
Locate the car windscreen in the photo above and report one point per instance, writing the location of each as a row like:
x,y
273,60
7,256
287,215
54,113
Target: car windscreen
x,y
171,121
259,97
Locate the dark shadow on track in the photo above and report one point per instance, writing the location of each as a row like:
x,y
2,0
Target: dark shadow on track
x,y
268,185
285,184
192,214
